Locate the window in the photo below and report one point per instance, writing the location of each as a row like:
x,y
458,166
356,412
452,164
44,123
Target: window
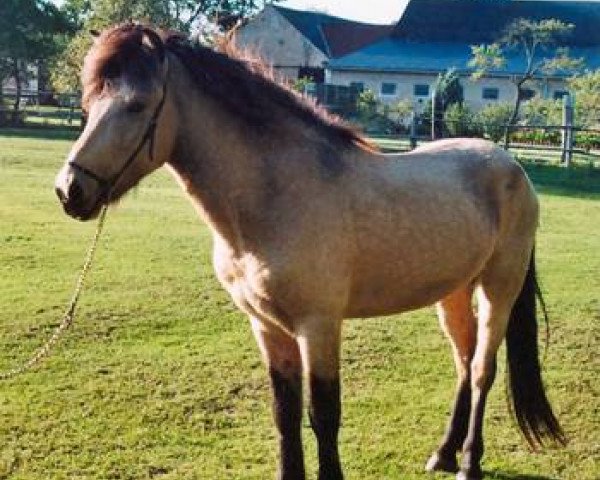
x,y
559,94
490,93
388,88
528,94
357,86
421,90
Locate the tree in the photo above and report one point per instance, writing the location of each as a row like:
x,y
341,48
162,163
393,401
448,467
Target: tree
x,y
28,30
186,16
534,41
448,91
586,88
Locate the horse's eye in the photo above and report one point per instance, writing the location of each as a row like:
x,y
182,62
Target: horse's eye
x,y
135,107
111,70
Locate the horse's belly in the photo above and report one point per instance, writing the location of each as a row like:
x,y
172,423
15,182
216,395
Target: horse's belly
x,y
376,299
413,280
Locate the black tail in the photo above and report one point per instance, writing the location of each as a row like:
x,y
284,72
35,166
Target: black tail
x,y
528,399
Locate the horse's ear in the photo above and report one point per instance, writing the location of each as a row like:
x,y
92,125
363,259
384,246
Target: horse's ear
x,y
155,42
95,34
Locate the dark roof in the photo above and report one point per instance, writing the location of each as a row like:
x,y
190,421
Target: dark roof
x,y
398,55
344,38
482,21
334,36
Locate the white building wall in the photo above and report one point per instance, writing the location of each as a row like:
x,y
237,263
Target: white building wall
x,y
405,85
279,43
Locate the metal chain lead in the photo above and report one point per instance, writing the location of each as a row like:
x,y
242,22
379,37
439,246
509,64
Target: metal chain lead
x,y
69,314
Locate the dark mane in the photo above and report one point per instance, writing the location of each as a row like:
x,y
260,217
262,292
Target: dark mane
x,y
240,82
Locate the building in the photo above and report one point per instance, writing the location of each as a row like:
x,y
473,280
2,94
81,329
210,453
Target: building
x,y
402,62
300,44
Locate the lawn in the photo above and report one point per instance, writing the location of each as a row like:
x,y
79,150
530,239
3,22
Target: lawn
x,y
160,377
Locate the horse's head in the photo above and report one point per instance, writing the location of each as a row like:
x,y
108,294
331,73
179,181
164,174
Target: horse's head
x,y
127,134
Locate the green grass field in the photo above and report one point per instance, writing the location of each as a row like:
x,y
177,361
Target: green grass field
x,y
160,377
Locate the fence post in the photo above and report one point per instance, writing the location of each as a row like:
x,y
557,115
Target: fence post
x,y
567,131
433,114
413,130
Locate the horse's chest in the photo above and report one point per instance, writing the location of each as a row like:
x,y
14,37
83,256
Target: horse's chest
x,y
250,283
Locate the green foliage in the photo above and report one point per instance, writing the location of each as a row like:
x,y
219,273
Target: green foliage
x,y
493,117
586,88
587,140
300,84
28,27
542,111
29,30
448,90
160,376
486,58
537,136
530,40
187,16
461,121
366,104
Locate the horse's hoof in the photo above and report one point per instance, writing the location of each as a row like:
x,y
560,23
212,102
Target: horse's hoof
x,y
474,475
438,463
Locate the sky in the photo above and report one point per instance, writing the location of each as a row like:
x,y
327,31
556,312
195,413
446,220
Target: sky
x,y
369,11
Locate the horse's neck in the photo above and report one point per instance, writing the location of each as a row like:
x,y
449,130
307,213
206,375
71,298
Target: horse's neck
x,y
218,163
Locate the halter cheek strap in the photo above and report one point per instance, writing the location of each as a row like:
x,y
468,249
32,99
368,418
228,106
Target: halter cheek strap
x,y
107,184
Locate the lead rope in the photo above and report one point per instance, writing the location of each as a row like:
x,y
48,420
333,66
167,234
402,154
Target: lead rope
x,y
69,314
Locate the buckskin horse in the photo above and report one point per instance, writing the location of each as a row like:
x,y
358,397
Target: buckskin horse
x,y
311,225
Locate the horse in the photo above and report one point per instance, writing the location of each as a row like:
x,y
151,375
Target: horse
x,y
312,225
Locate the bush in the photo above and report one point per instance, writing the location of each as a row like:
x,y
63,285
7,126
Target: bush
x,y
460,121
587,140
537,137
540,111
493,119
366,105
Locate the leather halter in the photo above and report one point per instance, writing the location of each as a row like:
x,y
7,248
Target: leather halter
x,y
107,184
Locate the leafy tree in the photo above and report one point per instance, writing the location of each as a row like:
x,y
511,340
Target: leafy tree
x,y
448,91
535,42
587,97
187,16
28,30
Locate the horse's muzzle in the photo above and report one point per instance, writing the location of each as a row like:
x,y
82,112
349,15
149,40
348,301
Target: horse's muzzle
x,y
79,196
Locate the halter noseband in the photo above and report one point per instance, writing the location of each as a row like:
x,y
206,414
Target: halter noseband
x,y
107,184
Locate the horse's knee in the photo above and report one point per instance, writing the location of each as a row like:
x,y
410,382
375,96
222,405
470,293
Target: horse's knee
x,y
483,373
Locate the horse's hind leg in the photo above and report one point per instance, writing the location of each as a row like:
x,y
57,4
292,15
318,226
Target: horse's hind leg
x,y
499,286
458,322
282,357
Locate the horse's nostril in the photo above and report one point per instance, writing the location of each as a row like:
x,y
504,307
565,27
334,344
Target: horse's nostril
x,y
75,192
61,195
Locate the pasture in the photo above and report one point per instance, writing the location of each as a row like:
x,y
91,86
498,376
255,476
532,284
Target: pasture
x,y
160,376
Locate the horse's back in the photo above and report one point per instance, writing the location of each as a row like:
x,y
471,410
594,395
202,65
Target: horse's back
x,y
426,222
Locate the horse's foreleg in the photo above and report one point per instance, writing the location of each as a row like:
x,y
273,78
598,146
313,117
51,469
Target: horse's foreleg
x,y
282,357
320,349
458,322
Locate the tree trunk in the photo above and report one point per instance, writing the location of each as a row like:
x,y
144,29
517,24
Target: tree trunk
x,y
17,77
514,115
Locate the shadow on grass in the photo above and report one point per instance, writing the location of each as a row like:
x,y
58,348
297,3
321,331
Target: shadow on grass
x,y
40,133
576,181
514,476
